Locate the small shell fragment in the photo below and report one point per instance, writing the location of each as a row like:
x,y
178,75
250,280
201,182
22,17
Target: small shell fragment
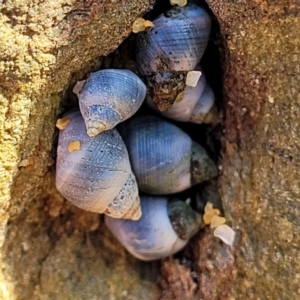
x,y
62,123
141,24
178,2
217,221
74,146
225,233
192,78
78,86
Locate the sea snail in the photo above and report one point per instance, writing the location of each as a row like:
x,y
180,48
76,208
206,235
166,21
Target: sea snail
x,y
96,175
164,228
170,49
196,104
163,158
109,97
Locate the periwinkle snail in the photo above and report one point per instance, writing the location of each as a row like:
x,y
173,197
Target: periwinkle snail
x,y
170,50
164,159
96,176
106,173
109,97
164,228
196,106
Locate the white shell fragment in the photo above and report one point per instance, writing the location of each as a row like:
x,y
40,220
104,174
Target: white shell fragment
x,y
141,24
192,78
164,159
78,86
225,233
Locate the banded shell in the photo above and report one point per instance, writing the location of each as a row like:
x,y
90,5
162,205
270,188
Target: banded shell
x,y
164,159
109,97
164,228
96,175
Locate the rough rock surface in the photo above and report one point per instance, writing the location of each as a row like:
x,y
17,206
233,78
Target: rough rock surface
x,y
54,251
260,161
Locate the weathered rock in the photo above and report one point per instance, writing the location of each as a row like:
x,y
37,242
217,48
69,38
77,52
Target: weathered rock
x,y
260,162
51,247
55,251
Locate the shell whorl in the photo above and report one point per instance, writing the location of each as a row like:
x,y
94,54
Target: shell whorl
x,y
164,159
176,42
194,105
152,236
94,175
109,97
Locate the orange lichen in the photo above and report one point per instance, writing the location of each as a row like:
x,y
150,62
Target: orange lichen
x,y
74,146
209,212
141,24
217,221
178,2
62,123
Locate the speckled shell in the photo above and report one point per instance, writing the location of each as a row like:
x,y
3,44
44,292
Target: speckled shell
x,y
195,104
164,159
109,97
176,42
152,236
98,176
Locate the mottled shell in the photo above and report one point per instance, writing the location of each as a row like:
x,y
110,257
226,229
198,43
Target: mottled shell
x,y
94,173
164,159
194,105
152,236
109,97
176,42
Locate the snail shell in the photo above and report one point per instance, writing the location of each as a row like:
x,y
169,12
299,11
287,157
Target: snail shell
x,y
164,159
171,49
196,104
164,228
109,97
96,175
176,42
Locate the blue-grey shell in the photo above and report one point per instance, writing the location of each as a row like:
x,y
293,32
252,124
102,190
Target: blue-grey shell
x,y
152,236
161,155
94,176
176,42
109,97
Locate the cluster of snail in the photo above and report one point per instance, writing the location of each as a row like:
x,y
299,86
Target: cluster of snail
x,y
101,171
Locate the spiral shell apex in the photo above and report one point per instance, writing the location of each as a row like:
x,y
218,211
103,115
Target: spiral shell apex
x,y
109,97
96,174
